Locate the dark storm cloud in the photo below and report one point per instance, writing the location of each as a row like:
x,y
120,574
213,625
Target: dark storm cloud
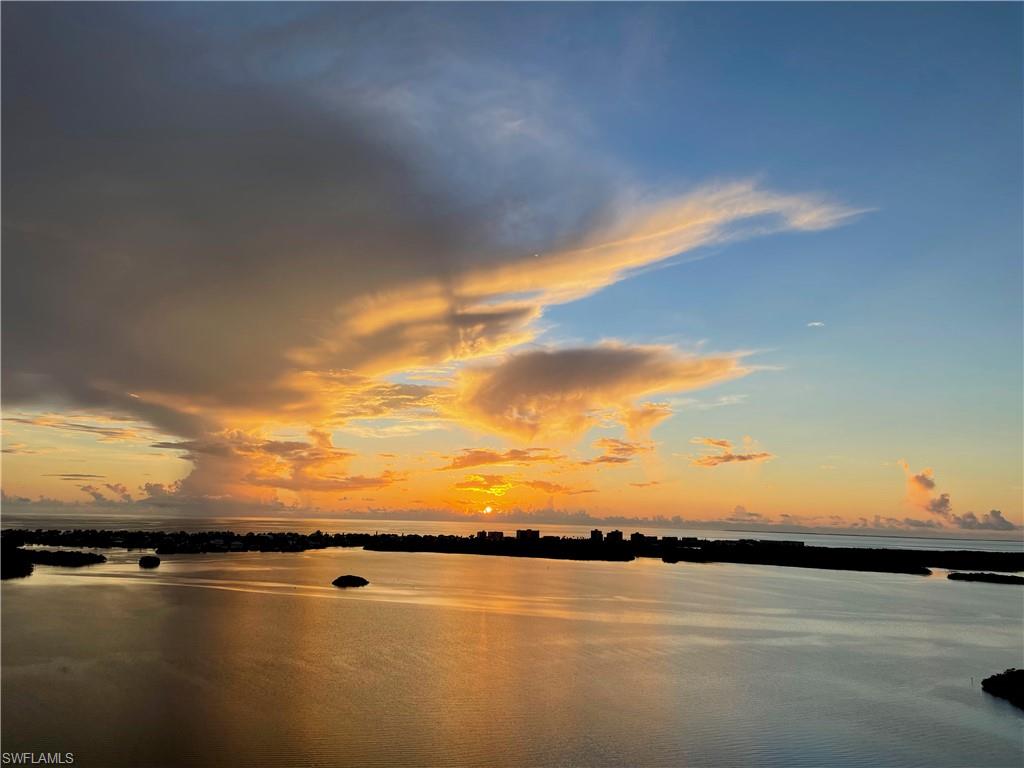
x,y
163,218
202,203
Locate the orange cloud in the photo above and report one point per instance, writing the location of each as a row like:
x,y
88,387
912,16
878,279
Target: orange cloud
x,y
236,461
556,488
726,455
104,428
641,234
499,485
618,451
493,485
641,420
561,392
920,487
476,457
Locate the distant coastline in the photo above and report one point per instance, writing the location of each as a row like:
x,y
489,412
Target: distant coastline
x,y
611,545
155,520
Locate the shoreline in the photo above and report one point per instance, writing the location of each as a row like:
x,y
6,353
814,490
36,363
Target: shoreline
x,y
613,546
14,521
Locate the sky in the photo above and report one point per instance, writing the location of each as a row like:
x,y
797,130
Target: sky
x,y
757,264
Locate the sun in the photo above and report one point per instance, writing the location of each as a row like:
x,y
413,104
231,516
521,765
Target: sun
x,y
487,510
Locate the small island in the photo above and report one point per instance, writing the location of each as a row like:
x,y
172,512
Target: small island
x,y
18,562
349,580
1007,685
149,561
993,578
14,564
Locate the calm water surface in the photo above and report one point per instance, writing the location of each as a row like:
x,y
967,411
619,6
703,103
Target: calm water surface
x,y
254,659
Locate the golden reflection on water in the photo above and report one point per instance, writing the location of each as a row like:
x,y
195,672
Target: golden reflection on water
x,y
465,660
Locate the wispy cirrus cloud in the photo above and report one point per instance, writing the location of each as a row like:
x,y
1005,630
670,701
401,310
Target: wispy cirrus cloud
x,y
25,449
103,428
477,457
615,451
725,454
556,488
640,420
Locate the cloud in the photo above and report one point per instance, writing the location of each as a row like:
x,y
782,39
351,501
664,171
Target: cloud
x,y
641,420
241,462
499,485
816,324
493,485
694,404
741,515
940,505
105,429
75,476
477,457
159,491
906,523
561,391
9,499
991,521
646,484
726,455
555,488
617,451
727,458
712,442
210,227
24,449
119,491
919,492
922,481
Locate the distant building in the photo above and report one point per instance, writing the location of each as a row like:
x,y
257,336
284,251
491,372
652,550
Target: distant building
x,y
495,535
673,540
481,534
639,538
596,535
527,534
614,536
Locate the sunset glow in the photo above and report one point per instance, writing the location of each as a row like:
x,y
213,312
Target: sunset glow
x,y
405,293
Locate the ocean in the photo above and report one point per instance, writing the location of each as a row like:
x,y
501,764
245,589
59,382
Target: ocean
x,y
255,659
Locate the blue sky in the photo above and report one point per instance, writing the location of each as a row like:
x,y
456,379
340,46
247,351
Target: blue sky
x,y
913,111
